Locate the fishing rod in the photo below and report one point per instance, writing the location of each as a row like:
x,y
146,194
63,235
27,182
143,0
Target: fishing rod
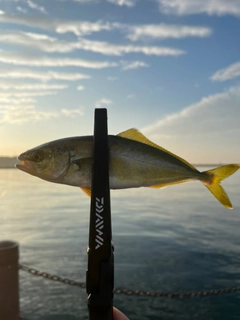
x,y
100,272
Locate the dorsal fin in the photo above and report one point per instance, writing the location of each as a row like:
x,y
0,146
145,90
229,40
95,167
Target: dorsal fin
x,y
134,134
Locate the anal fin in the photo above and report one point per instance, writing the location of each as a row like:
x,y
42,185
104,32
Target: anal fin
x,y
87,191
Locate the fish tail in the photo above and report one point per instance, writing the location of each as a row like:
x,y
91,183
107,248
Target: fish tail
x,y
215,177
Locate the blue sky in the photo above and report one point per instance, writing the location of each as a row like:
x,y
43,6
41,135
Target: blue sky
x,y
170,68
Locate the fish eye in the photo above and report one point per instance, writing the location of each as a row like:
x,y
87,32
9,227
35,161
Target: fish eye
x,y
37,156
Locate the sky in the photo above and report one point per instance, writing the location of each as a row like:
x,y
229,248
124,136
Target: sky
x,y
170,68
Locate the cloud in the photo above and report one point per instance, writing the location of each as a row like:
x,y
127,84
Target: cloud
x,y
72,112
35,6
20,113
111,78
80,88
14,100
228,73
213,7
103,102
44,61
27,94
205,132
83,1
127,3
17,102
24,93
164,31
24,113
118,50
126,65
43,76
82,28
79,28
215,113
50,44
30,87
37,41
22,10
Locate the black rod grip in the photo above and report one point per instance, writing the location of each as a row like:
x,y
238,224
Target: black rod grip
x,y
100,251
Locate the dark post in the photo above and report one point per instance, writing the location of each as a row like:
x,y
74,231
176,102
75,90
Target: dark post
x,y
9,295
100,251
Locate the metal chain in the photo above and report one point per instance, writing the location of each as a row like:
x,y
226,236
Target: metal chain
x,y
188,294
51,277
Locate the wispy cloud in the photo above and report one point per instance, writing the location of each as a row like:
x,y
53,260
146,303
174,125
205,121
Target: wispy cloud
x,y
79,28
228,73
205,132
127,3
51,44
27,94
72,112
18,102
35,6
80,88
37,41
118,50
44,61
215,113
164,31
111,78
21,9
4,85
103,102
29,5
82,28
83,1
43,76
12,113
24,113
10,100
213,7
128,65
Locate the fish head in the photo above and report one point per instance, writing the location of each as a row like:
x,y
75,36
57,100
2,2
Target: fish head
x,y
48,162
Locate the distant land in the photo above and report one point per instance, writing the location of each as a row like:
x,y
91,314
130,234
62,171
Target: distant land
x,y
9,162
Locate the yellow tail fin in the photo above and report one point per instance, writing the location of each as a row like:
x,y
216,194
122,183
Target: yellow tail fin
x,y
217,175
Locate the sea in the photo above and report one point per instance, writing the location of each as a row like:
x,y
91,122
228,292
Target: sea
x,y
176,239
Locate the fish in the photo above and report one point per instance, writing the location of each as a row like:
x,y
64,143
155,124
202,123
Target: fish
x,y
134,161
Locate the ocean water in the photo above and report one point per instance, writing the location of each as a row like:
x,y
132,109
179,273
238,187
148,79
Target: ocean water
x,y
174,239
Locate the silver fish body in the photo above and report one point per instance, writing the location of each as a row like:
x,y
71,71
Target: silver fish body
x,y
134,161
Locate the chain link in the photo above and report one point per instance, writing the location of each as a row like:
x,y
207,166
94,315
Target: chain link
x,y
51,277
188,294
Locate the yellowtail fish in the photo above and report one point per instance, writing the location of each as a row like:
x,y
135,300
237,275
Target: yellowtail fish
x,y
134,162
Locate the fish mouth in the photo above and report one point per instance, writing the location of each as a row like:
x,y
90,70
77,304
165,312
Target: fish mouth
x,y
20,166
25,165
